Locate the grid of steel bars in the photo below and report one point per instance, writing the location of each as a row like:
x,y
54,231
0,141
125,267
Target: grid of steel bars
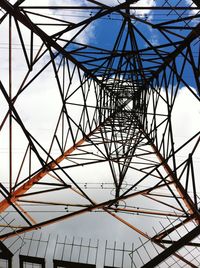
x,y
115,108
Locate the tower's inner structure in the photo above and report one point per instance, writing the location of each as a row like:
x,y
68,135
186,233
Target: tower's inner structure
x,y
99,119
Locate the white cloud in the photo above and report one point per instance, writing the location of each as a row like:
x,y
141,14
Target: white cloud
x,y
39,108
40,104
186,114
144,3
192,4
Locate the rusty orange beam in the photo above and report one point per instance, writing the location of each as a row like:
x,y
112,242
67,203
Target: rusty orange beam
x,y
179,187
192,209
148,212
36,178
176,254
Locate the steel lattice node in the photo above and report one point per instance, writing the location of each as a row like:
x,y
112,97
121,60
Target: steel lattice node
x,y
99,131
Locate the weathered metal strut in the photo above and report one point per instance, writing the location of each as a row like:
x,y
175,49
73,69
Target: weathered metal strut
x,y
124,104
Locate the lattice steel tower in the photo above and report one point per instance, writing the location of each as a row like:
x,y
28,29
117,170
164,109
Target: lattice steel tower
x,y
98,115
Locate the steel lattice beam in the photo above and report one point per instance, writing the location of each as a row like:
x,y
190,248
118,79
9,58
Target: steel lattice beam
x,y
173,248
116,108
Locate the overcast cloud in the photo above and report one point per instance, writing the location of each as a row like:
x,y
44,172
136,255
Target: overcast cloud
x,y
39,107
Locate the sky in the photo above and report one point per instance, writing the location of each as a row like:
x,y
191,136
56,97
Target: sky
x,y
39,107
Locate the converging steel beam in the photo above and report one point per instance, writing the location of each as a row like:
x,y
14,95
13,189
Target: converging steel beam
x,y
129,109
180,189
36,178
13,197
173,248
182,192
185,43
17,14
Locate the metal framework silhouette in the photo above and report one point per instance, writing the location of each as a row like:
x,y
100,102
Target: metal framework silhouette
x,y
112,107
